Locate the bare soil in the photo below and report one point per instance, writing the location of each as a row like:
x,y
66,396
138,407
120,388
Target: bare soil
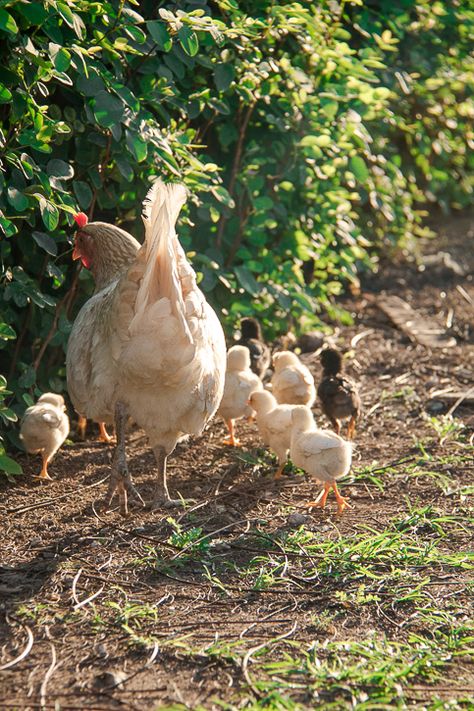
x,y
58,548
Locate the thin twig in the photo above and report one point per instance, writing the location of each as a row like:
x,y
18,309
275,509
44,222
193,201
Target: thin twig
x,y
47,676
253,651
24,653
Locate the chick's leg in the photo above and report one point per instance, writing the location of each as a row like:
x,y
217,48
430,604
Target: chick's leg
x,y
342,503
81,426
351,427
44,469
231,440
321,500
104,435
120,479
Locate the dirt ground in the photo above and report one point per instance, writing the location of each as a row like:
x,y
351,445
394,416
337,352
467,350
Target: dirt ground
x,y
152,612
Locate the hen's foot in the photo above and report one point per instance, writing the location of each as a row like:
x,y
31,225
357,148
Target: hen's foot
x,y
125,489
43,477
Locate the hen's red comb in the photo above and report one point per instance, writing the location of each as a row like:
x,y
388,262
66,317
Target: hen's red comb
x,y
81,219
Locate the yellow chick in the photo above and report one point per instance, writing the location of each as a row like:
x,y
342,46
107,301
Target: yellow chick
x,y
274,425
292,383
240,383
321,453
44,428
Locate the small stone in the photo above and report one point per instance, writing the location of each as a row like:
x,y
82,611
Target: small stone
x,y
436,406
297,519
109,679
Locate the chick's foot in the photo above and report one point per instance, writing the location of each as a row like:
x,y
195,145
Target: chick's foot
x,y
104,435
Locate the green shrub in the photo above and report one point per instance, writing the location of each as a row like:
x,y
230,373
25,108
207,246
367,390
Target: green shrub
x,y
308,134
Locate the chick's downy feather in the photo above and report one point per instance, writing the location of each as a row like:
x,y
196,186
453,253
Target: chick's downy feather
x,y
292,383
44,427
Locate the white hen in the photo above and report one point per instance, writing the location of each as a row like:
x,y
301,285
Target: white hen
x,y
147,344
292,383
324,455
274,425
44,428
240,383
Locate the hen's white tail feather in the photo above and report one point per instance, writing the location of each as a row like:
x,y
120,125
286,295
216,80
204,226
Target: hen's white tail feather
x,y
161,278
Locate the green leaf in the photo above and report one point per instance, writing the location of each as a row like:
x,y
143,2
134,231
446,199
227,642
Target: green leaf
x,y
7,226
221,194
108,110
7,23
5,94
160,34
60,169
8,465
136,145
321,141
46,242
17,199
247,280
83,193
188,40
49,214
359,168
223,76
60,56
6,332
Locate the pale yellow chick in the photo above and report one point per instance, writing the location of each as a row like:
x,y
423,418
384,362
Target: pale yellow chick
x,y
292,383
44,428
321,453
274,425
240,383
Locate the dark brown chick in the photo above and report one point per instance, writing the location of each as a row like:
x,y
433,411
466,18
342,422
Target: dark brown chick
x,y
337,393
252,339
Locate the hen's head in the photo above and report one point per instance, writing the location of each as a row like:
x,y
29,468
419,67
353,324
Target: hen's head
x,y
104,249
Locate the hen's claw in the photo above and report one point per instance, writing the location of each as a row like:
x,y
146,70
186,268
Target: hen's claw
x,y
125,489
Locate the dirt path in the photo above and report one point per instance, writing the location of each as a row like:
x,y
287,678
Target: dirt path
x,y
237,601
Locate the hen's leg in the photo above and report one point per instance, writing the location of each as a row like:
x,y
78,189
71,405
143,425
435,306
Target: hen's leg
x,y
162,497
336,424
120,479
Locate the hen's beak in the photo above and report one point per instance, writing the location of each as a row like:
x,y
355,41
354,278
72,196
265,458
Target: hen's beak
x,y
76,254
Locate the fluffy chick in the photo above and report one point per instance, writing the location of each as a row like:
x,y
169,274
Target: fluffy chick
x,y
274,425
292,383
337,393
252,338
240,383
322,454
44,428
